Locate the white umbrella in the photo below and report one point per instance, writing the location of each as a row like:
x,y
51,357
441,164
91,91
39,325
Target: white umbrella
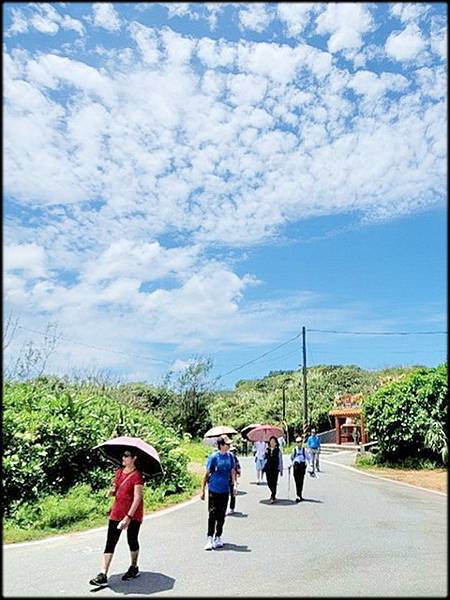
x,y
216,432
210,441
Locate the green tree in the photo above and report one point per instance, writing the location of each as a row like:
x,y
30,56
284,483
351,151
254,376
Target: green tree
x,y
189,408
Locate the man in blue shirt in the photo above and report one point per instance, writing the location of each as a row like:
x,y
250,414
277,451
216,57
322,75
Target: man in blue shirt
x,y
314,451
220,468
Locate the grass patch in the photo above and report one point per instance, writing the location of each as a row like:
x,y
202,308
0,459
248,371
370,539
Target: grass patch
x,y
80,509
197,451
370,459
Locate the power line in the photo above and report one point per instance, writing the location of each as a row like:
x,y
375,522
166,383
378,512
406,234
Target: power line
x,y
257,358
379,332
61,337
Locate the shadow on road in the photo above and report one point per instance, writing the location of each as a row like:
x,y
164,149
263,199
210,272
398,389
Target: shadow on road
x,y
234,547
256,483
147,583
311,500
241,493
239,515
282,502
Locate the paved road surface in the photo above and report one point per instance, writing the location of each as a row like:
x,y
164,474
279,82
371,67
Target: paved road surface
x,y
353,535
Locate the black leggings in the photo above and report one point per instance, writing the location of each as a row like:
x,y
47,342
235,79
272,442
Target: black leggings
x,y
217,507
114,535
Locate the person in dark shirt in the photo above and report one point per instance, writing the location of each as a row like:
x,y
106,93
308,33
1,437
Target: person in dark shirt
x,y
273,467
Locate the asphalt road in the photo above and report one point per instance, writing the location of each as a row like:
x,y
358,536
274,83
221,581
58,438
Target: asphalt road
x,y
354,535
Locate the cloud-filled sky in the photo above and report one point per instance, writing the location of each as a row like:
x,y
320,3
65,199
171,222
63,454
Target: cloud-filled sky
x,y
204,179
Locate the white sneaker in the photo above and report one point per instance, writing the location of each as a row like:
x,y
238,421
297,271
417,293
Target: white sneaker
x,y
218,542
209,544
230,512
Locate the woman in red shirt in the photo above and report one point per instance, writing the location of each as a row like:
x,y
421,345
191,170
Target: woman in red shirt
x,y
127,513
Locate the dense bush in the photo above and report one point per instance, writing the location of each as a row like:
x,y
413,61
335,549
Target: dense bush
x,y
401,415
49,431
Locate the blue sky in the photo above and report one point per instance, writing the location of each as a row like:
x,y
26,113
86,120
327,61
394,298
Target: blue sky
x,y
190,180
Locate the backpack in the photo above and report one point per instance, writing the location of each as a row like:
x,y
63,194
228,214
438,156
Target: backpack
x,y
297,452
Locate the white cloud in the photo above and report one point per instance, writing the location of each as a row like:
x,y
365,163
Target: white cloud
x,y
409,11
255,17
146,40
154,146
374,85
179,9
106,16
44,18
70,23
144,261
346,22
44,25
216,54
296,15
202,154
438,38
406,44
19,23
25,257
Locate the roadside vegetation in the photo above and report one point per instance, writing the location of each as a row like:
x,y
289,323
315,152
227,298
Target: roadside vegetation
x,y
53,481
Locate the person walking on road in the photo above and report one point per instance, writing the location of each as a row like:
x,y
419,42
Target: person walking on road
x,y
259,450
314,451
219,470
127,512
237,466
273,466
299,458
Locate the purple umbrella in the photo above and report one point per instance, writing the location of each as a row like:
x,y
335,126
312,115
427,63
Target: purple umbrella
x,y
150,463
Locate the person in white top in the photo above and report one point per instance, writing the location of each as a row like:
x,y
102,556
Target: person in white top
x,y
259,450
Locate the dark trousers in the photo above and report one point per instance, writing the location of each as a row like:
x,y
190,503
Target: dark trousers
x,y
272,481
114,535
299,477
217,507
232,497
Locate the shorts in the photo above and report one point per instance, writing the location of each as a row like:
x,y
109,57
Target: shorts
x,y
260,462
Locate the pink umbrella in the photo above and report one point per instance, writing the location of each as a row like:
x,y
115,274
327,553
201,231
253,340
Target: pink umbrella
x,y
262,433
245,431
148,457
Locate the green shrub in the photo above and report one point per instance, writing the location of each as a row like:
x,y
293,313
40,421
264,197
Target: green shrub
x,y
366,460
402,414
49,433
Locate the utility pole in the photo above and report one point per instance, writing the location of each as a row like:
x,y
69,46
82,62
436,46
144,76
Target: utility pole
x,y
305,388
284,403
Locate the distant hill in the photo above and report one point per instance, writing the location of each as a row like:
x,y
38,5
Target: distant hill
x,y
261,400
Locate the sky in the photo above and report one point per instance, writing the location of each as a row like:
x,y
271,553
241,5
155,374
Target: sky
x,y
201,180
